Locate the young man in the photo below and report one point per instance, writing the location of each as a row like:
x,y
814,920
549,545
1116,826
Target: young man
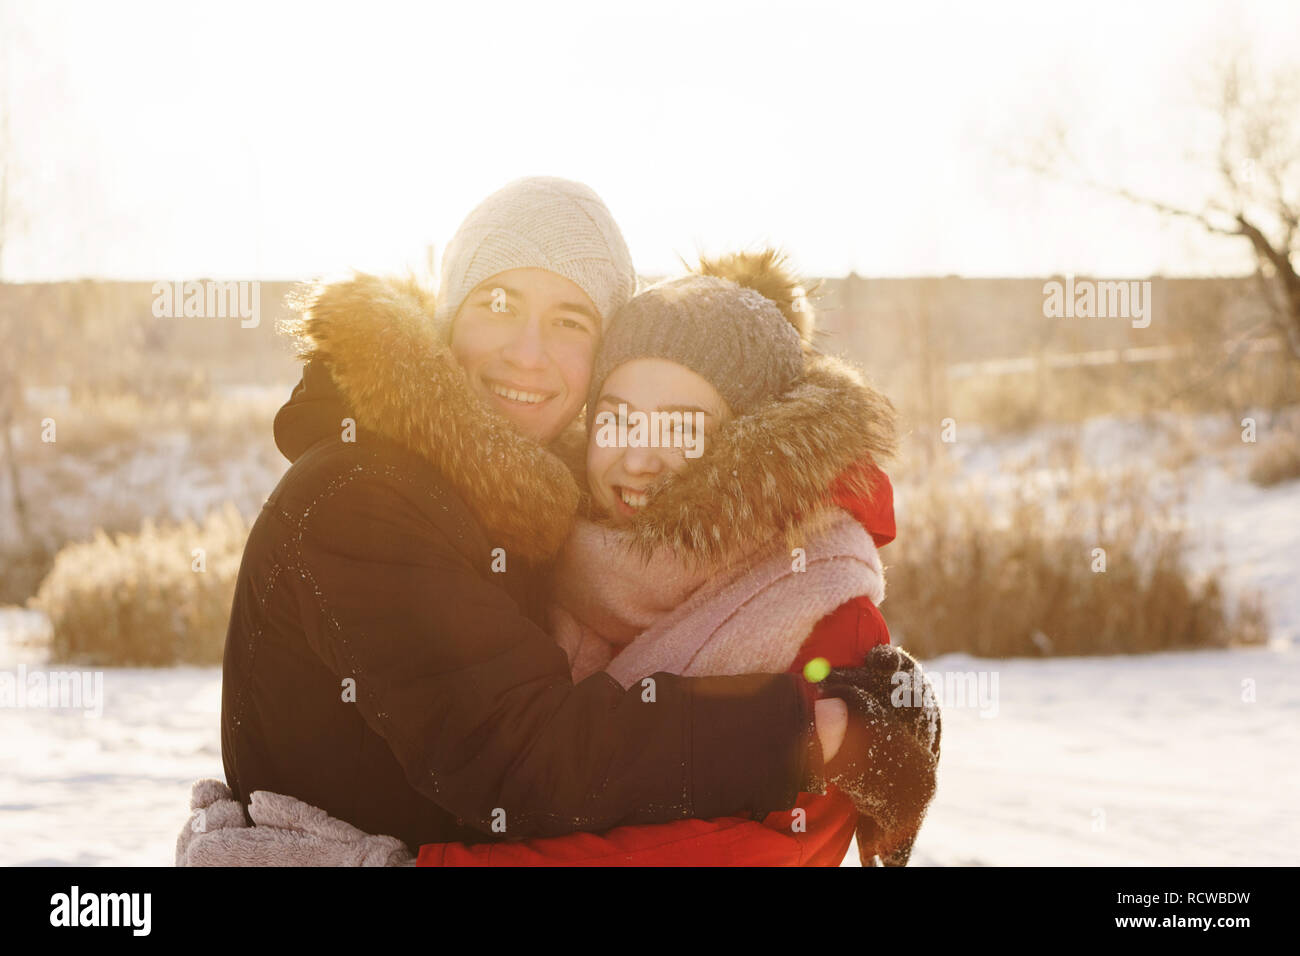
x,y
381,661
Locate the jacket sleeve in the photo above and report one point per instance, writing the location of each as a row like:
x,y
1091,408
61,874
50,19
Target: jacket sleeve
x,y
843,637
476,703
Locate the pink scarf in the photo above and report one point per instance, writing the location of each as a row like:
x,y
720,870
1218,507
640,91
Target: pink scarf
x,y
632,618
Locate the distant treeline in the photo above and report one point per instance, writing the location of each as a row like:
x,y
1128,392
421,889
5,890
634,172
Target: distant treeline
x,y
98,335
953,319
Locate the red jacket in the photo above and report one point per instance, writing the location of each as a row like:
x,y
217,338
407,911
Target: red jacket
x,y
825,822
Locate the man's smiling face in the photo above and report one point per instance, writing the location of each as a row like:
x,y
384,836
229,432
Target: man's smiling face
x,y
527,339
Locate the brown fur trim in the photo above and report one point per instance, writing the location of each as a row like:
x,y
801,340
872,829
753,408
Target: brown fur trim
x,y
378,339
571,448
769,473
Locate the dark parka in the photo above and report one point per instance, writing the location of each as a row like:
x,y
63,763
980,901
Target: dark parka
x,y
378,667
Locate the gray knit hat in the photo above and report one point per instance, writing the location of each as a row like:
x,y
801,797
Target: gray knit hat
x,y
545,223
733,337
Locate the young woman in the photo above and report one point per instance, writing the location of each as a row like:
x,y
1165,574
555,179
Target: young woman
x,y
734,509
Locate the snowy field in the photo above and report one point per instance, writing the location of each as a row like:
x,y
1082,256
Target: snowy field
x,y
1147,760
1185,758
1153,759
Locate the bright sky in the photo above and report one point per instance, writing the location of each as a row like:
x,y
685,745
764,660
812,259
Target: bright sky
x,y
157,140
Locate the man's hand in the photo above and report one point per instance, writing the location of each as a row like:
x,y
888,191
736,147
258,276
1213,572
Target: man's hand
x,y
832,716
888,760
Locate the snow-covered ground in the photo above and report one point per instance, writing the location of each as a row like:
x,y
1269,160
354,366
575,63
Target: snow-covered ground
x,y
114,789
1139,760
1159,759
1185,758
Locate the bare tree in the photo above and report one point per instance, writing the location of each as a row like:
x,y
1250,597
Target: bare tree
x,y
1255,192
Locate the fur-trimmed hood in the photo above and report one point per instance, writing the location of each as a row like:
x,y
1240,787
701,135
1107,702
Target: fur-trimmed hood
x,y
763,475
398,379
770,474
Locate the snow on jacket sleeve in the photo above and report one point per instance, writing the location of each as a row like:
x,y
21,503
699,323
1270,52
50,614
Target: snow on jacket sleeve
x,y
843,637
475,700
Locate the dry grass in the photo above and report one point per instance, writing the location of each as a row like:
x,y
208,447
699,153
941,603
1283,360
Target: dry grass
x,y
1015,403
1276,459
137,599
122,460
1013,574
989,571
112,423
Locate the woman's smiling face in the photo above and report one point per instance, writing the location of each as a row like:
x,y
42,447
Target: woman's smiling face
x,y
621,478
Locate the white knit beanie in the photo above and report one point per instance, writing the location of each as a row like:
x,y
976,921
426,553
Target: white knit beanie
x,y
539,222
